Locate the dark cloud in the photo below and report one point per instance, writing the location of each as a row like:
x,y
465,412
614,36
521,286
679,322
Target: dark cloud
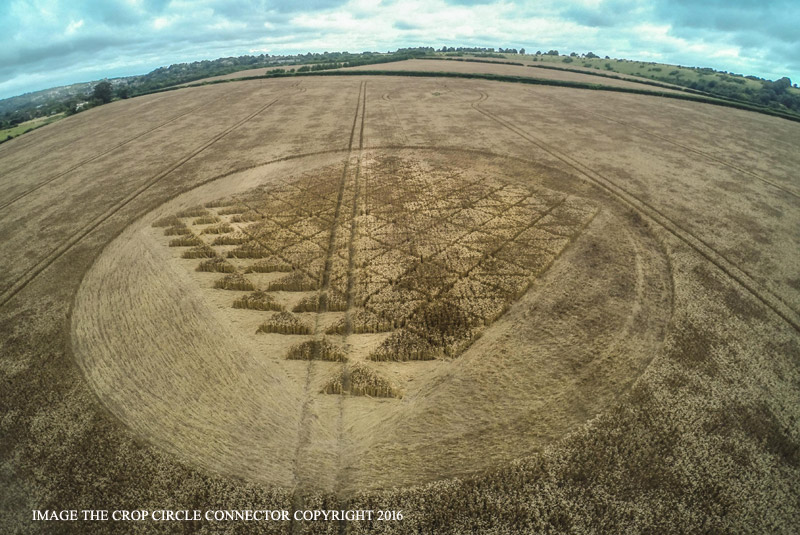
x,y
757,28
404,25
62,52
108,13
765,32
774,20
606,14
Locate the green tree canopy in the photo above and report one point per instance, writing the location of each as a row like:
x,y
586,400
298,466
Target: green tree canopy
x,y
103,92
782,85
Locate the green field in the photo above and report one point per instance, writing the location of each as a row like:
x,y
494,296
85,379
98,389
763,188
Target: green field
x,y
661,72
21,128
718,83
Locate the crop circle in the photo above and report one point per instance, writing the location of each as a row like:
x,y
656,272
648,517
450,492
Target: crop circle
x,y
346,324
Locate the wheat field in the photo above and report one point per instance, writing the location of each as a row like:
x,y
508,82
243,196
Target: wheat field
x,y
496,307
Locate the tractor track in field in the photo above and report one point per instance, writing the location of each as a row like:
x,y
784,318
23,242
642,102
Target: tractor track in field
x,y
80,164
700,246
15,287
298,498
27,162
25,142
105,152
388,98
32,140
677,144
350,293
32,272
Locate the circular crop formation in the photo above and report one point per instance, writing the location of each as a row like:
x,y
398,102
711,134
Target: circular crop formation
x,y
428,259
379,320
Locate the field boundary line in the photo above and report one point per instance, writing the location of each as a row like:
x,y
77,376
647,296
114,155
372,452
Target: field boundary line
x,y
100,155
673,94
32,272
764,295
601,74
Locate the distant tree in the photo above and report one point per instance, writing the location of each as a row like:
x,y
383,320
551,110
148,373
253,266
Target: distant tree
x,y
521,50
122,92
103,92
573,55
787,100
591,55
781,85
552,52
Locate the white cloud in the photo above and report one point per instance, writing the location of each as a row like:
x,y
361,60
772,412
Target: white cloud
x,y
160,22
131,34
74,27
726,53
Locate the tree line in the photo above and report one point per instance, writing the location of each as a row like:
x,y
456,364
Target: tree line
x,y
773,94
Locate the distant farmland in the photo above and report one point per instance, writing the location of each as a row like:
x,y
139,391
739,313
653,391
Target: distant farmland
x,y
496,307
28,126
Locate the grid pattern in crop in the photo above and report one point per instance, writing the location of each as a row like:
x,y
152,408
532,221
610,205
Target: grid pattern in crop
x,y
425,257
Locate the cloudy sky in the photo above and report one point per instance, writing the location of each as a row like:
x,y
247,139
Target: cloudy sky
x,y
55,42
